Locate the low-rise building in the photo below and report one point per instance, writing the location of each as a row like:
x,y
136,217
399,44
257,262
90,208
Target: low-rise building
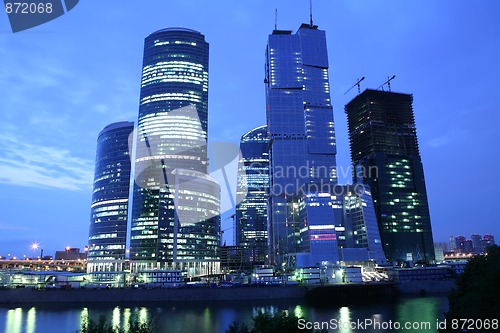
x,y
161,278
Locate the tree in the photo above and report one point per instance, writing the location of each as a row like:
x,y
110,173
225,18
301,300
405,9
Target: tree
x,y
101,326
477,295
268,323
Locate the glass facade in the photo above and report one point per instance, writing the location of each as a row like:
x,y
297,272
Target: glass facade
x,y
318,237
109,208
360,226
339,225
300,126
385,152
253,193
176,205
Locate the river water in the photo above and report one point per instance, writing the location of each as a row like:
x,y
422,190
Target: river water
x,y
206,317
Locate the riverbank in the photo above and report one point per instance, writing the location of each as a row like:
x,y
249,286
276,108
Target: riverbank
x,y
423,287
119,296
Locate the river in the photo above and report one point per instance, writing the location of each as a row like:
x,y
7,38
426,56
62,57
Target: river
x,y
212,317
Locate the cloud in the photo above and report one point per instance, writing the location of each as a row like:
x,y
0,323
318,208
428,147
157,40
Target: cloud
x,y
9,227
27,164
447,138
101,108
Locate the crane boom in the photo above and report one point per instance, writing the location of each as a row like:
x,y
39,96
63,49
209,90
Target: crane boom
x,y
388,82
356,84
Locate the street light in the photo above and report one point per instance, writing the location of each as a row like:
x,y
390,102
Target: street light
x,y
35,246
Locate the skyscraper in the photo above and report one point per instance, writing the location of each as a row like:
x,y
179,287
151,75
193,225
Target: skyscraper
x,y
176,204
385,153
300,126
253,192
477,243
488,240
108,217
460,244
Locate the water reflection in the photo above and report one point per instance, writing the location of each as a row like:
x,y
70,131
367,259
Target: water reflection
x,y
143,316
298,312
126,320
423,313
216,317
207,319
31,321
13,323
345,320
116,317
84,317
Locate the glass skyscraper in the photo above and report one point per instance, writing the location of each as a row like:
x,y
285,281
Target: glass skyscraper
x,y
385,153
252,195
300,126
109,208
176,204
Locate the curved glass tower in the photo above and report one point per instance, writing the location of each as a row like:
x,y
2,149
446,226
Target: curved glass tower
x,y
253,192
108,220
176,205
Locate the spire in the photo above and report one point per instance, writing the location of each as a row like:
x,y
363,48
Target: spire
x,y
311,12
276,19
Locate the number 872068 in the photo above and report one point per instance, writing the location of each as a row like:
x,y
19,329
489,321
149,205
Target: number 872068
x,y
474,324
28,8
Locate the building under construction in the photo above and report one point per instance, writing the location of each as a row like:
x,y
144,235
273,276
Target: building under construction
x,y
385,155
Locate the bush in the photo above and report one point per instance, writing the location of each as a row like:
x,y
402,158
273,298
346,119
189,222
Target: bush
x,y
101,326
267,323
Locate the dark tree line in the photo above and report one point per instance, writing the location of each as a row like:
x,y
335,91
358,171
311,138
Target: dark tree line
x,y
477,295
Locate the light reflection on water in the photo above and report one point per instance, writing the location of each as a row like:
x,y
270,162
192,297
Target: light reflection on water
x,y
216,317
345,317
31,321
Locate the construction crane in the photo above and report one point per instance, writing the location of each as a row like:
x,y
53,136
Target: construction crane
x,y
221,232
356,84
388,82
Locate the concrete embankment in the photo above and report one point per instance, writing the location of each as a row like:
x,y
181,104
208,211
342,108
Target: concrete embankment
x,y
30,296
425,286
349,292
313,293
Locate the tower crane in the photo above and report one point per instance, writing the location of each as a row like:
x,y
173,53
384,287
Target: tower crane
x,y
356,84
221,232
388,82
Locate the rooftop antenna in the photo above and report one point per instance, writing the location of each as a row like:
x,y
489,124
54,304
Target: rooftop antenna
x,y
276,19
311,11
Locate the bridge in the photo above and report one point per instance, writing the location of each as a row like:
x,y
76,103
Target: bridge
x,y
78,265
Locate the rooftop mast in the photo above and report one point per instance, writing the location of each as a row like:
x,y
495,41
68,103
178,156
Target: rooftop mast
x,y
276,19
311,12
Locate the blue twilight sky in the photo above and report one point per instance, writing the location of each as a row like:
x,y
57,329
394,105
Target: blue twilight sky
x,y
62,82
